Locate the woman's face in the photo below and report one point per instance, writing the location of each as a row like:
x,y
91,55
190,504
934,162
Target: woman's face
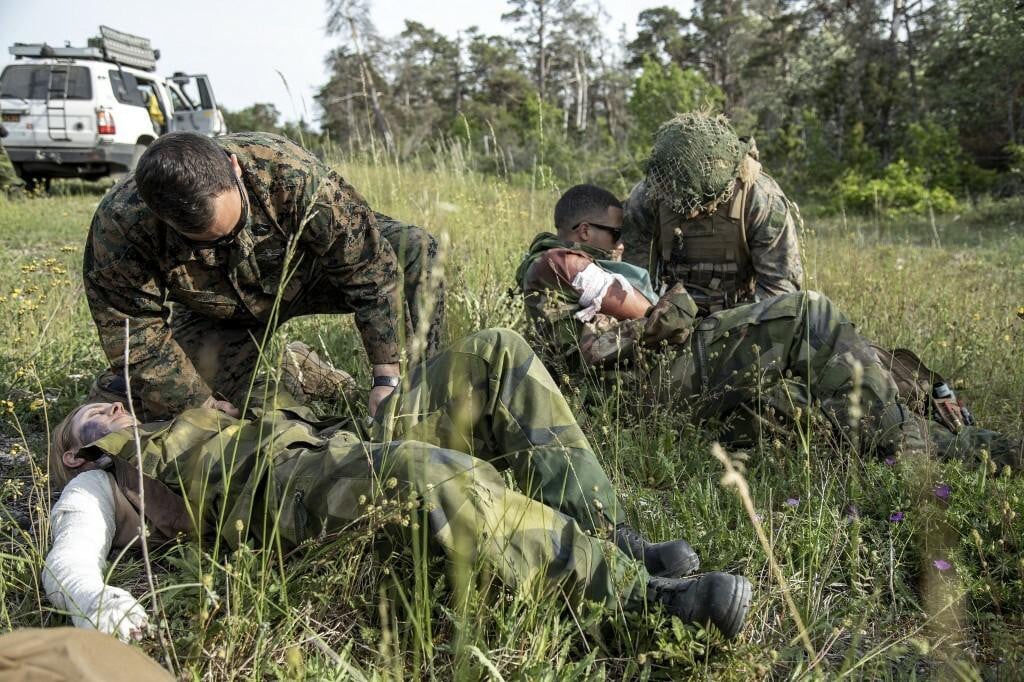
x,y
96,420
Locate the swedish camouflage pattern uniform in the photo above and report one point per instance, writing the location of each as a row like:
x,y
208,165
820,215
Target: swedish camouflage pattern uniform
x,y
708,215
200,313
434,452
786,352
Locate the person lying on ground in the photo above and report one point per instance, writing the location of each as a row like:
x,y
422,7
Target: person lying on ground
x,y
281,477
790,351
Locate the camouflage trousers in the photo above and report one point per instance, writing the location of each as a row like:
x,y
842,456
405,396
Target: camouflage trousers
x,y
799,349
484,406
226,354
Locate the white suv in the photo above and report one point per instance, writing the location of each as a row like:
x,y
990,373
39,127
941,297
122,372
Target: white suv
x,y
90,112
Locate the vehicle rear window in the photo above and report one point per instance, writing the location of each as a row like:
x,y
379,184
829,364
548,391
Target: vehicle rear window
x,y
34,81
126,88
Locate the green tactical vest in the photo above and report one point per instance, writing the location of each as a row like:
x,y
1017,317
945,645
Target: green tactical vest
x,y
709,254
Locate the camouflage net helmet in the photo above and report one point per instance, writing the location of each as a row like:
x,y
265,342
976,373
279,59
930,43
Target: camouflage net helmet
x,y
696,158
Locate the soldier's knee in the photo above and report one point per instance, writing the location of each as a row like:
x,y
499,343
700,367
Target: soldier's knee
x,y
503,339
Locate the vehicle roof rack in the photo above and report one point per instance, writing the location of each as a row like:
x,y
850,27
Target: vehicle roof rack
x,y
111,45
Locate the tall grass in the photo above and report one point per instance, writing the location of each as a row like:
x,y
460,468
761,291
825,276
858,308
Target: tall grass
x,y
866,588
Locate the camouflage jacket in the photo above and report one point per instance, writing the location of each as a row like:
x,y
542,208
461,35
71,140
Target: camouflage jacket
x,y
771,222
216,465
303,217
551,304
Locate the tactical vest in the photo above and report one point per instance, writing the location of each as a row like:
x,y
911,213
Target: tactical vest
x,y
709,254
166,513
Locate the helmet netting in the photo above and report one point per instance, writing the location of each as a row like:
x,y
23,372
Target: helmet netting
x,y
694,162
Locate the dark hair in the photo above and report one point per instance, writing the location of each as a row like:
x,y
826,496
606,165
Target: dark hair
x,y
582,202
179,175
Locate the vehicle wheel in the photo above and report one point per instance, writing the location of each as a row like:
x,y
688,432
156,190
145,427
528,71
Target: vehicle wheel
x,y
36,183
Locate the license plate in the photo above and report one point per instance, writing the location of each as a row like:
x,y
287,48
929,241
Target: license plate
x,y
11,118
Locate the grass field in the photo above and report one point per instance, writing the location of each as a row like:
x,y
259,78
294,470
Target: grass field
x,y
869,584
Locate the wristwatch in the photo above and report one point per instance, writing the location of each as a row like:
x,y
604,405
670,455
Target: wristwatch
x,y
386,380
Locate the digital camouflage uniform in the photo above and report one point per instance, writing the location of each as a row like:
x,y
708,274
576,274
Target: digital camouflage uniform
x,y
707,215
785,352
198,315
484,405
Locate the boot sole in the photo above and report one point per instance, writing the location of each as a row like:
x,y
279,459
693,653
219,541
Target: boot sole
x,y
739,604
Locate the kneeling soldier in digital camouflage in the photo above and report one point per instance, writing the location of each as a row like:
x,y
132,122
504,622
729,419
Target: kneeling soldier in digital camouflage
x,y
434,452
211,243
707,215
591,311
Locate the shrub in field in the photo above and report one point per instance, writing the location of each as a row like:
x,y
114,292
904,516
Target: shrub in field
x,y
901,190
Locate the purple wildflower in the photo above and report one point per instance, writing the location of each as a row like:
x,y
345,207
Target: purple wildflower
x,y
890,460
896,517
942,565
793,502
942,492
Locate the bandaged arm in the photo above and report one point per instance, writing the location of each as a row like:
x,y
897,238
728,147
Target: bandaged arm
x,y
82,527
601,291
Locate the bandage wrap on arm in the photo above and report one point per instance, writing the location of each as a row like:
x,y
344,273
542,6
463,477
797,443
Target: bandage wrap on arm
x,y
592,283
82,528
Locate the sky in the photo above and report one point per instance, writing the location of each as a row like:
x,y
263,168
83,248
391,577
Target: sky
x,y
250,49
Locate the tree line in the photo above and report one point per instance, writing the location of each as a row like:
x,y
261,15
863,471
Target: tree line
x,y
903,104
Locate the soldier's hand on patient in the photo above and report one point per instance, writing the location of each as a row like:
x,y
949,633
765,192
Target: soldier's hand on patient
x,y
115,612
377,395
224,406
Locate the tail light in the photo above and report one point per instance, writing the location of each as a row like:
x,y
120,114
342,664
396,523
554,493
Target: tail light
x,y
105,123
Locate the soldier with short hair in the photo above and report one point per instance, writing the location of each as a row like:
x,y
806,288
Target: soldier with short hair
x,y
212,243
591,311
707,215
434,455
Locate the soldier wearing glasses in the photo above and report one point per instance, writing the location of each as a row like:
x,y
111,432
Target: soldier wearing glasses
x,y
211,243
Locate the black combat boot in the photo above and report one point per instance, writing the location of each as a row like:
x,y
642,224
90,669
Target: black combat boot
x,y
672,559
716,598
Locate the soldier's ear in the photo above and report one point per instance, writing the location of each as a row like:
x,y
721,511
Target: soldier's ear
x,y
71,459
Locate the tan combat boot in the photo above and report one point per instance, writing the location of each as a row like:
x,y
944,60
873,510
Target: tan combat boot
x,y
306,374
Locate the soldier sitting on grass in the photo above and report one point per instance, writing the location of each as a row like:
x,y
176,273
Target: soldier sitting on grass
x,y
433,455
590,310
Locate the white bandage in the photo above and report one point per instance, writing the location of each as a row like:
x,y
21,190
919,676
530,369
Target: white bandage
x,y
82,526
592,284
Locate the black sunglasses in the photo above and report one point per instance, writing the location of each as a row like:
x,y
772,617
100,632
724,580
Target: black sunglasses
x,y
233,234
615,232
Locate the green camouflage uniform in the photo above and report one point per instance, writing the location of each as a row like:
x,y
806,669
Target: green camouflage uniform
x,y
484,405
198,315
772,241
785,353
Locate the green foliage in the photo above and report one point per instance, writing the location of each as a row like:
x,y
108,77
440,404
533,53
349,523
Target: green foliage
x,y
902,189
261,117
348,608
660,92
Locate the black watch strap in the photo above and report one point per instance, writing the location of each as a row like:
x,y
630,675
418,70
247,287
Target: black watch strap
x,y
385,380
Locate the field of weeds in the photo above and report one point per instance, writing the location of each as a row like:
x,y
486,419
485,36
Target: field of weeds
x,y
890,581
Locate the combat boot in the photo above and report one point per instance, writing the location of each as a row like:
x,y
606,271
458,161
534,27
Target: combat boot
x,y
306,374
671,559
719,599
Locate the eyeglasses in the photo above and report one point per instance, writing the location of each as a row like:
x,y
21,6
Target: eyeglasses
x,y
615,232
230,237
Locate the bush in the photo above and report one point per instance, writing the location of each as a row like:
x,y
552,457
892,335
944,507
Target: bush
x,y
901,190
